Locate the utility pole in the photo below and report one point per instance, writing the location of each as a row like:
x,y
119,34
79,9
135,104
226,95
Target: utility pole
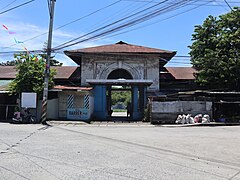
x,y
47,70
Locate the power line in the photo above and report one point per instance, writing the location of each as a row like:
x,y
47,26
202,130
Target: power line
x,y
148,24
115,22
9,4
228,5
71,22
133,21
123,12
48,3
142,1
32,51
155,1
84,41
23,51
16,7
94,12
144,26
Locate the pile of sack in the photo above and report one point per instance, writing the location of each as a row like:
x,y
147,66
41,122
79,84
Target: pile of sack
x,y
188,119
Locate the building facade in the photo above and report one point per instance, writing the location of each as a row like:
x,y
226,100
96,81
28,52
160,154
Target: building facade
x,y
120,64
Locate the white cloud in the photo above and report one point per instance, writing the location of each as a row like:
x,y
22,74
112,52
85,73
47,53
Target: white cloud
x,y
25,31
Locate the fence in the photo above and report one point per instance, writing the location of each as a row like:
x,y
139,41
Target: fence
x,y
166,112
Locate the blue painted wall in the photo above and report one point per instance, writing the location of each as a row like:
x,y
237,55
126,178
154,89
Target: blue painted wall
x,y
100,102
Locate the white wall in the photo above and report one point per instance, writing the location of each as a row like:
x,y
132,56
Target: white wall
x,y
168,111
193,107
52,109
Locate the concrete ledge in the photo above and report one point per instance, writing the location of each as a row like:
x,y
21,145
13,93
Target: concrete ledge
x,y
199,124
55,122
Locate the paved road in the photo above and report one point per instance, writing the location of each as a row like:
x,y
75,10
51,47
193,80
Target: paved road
x,y
118,151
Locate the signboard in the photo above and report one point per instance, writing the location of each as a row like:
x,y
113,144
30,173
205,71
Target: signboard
x,y
78,114
29,100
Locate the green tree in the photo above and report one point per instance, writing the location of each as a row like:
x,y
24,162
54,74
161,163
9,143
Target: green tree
x,y
30,76
121,96
9,63
53,62
215,51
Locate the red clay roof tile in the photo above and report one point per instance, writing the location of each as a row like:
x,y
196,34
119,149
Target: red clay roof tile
x,y
121,47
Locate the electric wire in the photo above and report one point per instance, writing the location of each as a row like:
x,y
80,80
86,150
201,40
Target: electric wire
x,y
31,51
158,21
48,3
38,50
150,23
8,5
71,22
94,12
218,2
228,4
80,19
133,21
16,7
128,9
113,23
116,22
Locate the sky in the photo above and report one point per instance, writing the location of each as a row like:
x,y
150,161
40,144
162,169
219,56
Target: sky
x,y
171,30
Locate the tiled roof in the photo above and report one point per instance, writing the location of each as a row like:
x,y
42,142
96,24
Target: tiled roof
x,y
120,47
63,72
182,72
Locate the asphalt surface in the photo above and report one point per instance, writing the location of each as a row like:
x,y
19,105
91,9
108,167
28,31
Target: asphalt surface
x,y
118,151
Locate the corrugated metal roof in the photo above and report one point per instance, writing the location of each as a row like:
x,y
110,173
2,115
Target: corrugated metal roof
x,y
182,72
121,47
59,87
7,72
63,72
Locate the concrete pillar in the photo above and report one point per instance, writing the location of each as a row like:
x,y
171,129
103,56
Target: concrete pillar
x,y
136,115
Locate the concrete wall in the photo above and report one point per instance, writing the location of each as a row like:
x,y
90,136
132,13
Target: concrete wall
x,y
140,67
81,107
87,69
153,74
52,110
62,111
167,112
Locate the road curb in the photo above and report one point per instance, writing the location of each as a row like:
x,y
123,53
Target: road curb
x,y
212,124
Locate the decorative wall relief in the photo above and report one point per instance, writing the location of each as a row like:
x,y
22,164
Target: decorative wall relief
x,y
104,69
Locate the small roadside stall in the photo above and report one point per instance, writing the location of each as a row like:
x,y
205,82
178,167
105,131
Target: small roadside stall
x,y
73,103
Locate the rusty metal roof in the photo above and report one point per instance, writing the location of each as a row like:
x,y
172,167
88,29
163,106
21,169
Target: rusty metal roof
x,y
182,72
75,88
7,72
63,72
121,47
